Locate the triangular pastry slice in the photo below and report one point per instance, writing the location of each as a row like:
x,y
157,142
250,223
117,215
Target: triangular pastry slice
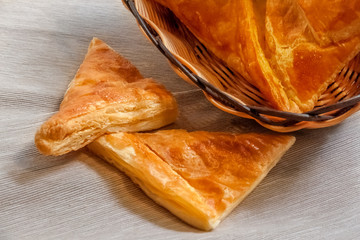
x,y
108,94
199,176
290,50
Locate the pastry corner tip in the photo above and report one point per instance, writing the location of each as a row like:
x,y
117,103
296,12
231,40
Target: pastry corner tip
x,y
42,146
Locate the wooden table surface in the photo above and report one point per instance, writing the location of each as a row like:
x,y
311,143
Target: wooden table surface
x,y
313,193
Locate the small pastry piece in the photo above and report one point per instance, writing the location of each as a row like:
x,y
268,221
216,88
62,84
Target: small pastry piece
x,y
108,94
198,176
290,50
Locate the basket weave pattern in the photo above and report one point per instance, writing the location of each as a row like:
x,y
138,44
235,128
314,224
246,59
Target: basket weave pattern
x,y
228,90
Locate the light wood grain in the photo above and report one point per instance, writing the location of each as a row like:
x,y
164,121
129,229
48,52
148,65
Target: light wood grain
x,y
313,193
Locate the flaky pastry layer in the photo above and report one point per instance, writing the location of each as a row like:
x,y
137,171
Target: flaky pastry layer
x,y
198,176
108,94
290,50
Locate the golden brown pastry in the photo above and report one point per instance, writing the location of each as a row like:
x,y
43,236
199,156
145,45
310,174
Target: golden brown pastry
x,y
199,176
108,94
291,50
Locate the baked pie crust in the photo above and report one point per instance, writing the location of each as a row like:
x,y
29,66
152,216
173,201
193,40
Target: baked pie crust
x,y
107,94
198,176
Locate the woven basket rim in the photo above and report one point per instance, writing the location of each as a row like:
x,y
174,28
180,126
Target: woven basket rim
x,y
262,114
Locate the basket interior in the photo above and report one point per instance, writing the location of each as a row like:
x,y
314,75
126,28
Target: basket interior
x,y
196,57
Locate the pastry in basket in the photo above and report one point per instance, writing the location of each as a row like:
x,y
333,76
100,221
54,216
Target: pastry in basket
x,y
108,94
290,50
198,176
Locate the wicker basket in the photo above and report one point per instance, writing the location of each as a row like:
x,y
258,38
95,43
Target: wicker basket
x,y
228,90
